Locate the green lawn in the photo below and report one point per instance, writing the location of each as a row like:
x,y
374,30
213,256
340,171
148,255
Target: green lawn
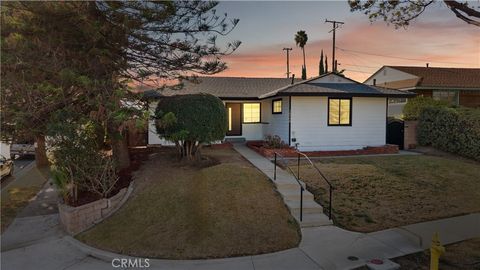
x,y
374,193
181,211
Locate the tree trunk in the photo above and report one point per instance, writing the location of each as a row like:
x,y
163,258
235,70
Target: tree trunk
x,y
41,158
304,64
119,146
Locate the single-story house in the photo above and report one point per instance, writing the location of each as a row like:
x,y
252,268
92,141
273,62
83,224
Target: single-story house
x,y
329,112
460,86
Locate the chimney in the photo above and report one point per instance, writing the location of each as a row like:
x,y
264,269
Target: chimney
x,y
427,64
374,82
293,78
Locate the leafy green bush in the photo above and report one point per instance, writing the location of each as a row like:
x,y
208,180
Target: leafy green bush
x,y
191,121
452,130
78,162
414,106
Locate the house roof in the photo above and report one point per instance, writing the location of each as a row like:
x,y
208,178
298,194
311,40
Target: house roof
x,y
260,88
349,87
443,77
226,87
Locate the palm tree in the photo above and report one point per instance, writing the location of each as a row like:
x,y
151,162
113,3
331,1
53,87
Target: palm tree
x,y
301,40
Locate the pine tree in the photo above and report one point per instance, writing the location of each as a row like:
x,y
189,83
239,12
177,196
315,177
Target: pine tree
x,y
326,64
321,70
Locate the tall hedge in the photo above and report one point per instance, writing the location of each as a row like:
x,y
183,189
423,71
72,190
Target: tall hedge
x,y
191,121
452,130
414,106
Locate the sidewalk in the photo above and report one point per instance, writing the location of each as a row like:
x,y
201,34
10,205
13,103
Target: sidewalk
x,y
37,243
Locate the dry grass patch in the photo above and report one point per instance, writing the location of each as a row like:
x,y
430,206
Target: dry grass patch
x,y
180,211
464,255
375,193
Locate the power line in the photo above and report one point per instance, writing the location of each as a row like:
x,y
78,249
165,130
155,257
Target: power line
x,y
359,71
398,57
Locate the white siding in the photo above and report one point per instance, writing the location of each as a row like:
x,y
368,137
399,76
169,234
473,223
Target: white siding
x,y
153,138
275,124
388,74
309,124
249,131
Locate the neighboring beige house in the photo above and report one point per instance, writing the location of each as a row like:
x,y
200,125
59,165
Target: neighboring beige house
x,y
329,112
460,86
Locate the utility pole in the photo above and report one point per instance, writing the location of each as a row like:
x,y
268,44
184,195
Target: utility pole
x,y
336,24
288,63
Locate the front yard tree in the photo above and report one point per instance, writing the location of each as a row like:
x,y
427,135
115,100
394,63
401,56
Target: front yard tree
x,y
190,121
108,45
401,13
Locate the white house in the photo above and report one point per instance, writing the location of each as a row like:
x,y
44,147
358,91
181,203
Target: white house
x,y
329,112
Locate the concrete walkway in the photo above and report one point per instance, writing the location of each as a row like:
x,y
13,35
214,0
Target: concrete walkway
x,y
36,242
289,189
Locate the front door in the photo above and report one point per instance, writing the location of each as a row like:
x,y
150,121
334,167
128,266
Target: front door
x,y
234,118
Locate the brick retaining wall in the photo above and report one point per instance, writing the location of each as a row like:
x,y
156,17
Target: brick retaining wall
x,y
257,146
75,220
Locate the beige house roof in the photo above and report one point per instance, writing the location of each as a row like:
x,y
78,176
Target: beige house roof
x,y
260,88
228,87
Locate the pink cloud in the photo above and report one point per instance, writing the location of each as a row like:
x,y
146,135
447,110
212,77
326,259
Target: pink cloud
x,y
440,44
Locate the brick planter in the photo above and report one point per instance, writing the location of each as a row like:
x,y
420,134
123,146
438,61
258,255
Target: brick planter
x,y
75,220
257,146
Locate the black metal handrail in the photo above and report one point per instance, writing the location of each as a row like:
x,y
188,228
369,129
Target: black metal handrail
x,y
330,186
297,177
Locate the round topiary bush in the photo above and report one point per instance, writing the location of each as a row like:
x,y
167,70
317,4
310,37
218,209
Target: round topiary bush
x,y
191,121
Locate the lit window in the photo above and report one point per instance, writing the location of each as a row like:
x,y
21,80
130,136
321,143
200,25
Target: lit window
x,y
277,106
251,112
229,118
339,112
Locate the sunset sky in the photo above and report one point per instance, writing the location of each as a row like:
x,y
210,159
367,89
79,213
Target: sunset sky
x,y
437,37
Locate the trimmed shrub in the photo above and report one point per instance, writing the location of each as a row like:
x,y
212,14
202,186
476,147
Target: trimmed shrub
x,y
191,121
452,130
414,106
274,142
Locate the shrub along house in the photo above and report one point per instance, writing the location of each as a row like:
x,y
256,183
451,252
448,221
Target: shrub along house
x,y
326,113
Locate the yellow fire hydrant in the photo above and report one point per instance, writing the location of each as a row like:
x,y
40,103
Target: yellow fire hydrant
x,y
436,250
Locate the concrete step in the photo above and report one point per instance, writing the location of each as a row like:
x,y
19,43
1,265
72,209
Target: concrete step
x,y
287,185
310,210
314,220
235,140
307,204
294,194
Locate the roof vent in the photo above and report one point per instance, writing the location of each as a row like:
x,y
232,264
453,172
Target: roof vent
x,y
374,82
293,78
427,64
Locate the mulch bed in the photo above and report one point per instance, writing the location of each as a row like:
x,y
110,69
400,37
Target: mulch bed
x,y
137,157
259,147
